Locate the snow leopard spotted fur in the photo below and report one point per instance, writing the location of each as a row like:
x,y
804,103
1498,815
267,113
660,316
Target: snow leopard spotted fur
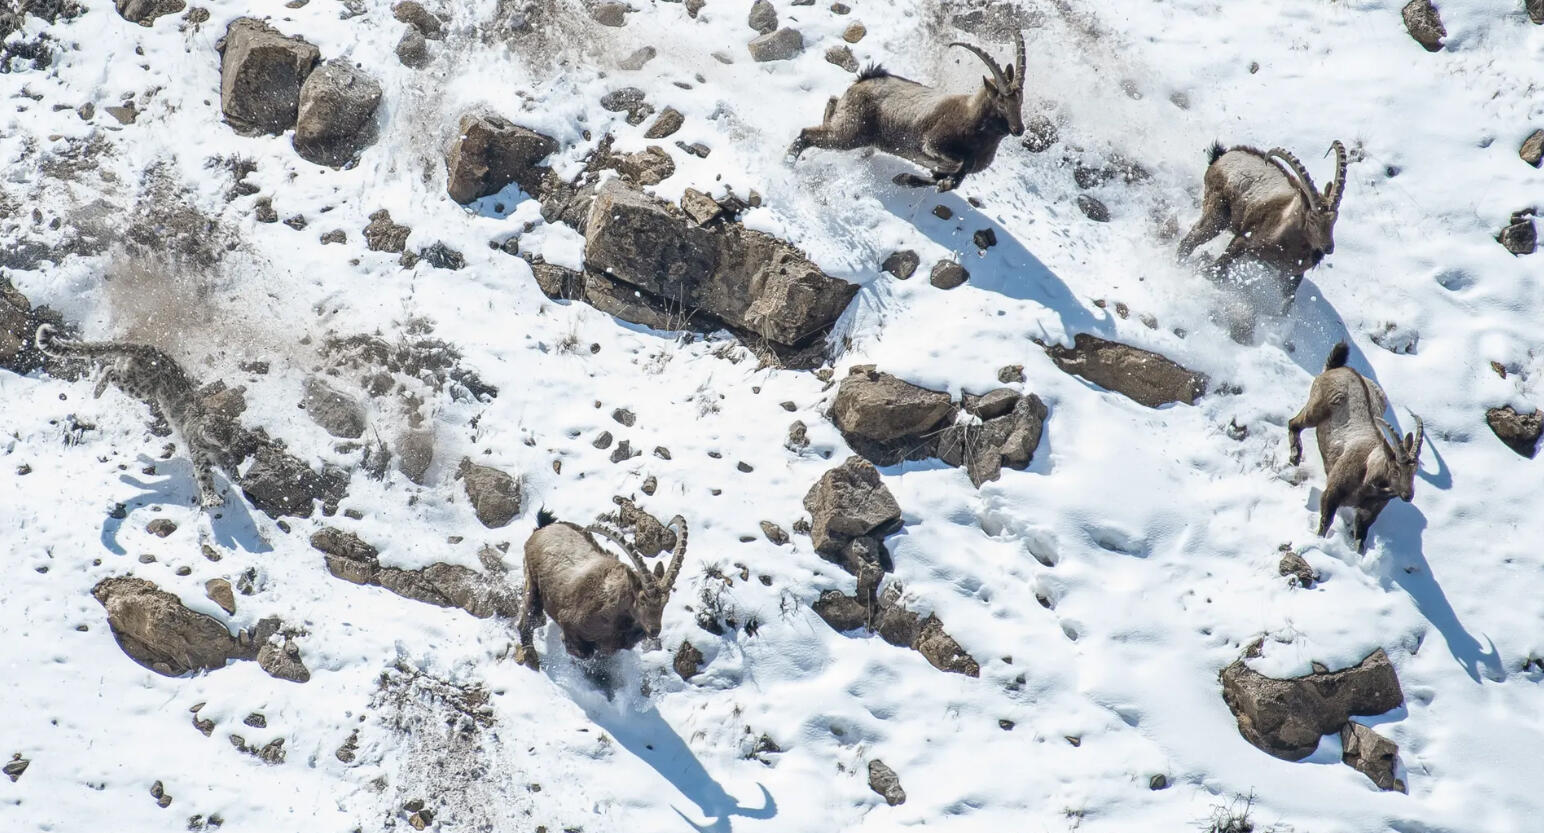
x,y
151,376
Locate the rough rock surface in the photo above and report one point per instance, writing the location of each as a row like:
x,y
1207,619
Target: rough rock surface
x,y
1142,375
1006,440
1424,24
848,502
887,420
490,152
495,495
336,412
1521,236
144,12
883,780
780,45
261,73
440,584
1371,754
1287,718
154,628
336,116
1520,432
278,484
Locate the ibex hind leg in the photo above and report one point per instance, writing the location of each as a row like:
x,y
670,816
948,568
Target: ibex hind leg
x,y
1214,218
531,616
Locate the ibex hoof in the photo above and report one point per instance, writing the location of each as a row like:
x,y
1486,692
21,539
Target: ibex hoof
x,y
910,181
947,185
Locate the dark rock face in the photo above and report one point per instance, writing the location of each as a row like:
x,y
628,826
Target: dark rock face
x,y
490,153
421,19
279,484
947,274
336,117
902,264
261,72
157,631
884,781
383,235
1520,432
495,495
1521,236
19,322
850,502
905,629
748,280
1424,24
1142,375
688,661
336,412
442,585
1371,754
888,420
1009,440
144,12
840,611
1287,718
1532,150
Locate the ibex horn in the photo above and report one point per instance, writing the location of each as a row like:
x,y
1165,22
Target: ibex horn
x,y
997,71
1419,439
679,555
616,538
1305,182
1336,188
1018,60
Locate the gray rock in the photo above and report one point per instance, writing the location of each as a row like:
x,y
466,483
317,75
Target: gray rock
x,y
649,166
763,17
413,49
279,484
850,501
669,121
688,661
1008,440
489,153
609,14
991,404
947,274
348,556
841,55
144,12
1521,236
415,452
282,662
1424,24
776,534
383,235
1532,150
495,495
336,412
629,100
638,58
1520,432
1371,754
1040,133
1298,569
1093,209
421,19
842,612
884,781
219,591
888,420
261,72
439,584
157,631
780,45
1142,375
854,32
336,116
15,767
902,264
1287,718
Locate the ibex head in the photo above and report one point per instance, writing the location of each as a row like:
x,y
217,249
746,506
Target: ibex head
x,y
1391,473
1005,88
653,585
1323,208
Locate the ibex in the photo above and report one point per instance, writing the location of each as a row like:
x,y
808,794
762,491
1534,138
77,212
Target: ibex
x,y
1366,464
600,603
1269,202
950,135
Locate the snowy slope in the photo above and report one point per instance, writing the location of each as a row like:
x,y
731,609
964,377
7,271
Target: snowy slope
x,y
1152,533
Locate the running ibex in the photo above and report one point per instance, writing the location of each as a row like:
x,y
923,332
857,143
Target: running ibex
x,y
1366,464
950,135
600,603
1269,202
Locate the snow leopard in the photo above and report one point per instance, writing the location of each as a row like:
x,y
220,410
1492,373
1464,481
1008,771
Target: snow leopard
x,y
155,378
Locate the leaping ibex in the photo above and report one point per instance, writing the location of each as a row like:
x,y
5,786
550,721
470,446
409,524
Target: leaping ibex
x,y
601,604
1269,202
1366,464
950,135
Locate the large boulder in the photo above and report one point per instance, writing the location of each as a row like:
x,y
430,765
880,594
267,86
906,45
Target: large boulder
x,y
144,12
1287,718
780,45
261,73
279,484
1142,375
888,420
336,117
157,631
746,279
850,502
1520,432
495,495
489,153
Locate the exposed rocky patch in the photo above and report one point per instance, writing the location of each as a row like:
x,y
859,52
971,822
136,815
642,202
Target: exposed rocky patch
x,y
279,484
1520,432
1141,375
1287,718
439,584
144,12
336,412
495,495
336,114
1521,236
884,781
1371,754
490,152
887,420
1424,24
261,73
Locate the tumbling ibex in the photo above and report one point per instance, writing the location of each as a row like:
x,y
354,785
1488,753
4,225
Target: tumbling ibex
x,y
950,135
1269,202
600,603
1366,464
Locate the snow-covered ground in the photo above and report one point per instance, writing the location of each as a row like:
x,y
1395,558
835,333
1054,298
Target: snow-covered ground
x,y
1153,534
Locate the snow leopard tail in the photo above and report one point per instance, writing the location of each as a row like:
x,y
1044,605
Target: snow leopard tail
x,y
50,344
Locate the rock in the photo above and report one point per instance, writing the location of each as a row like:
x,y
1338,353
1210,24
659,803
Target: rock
x,y
415,451
15,767
1294,566
336,412
383,235
282,662
854,32
1287,718
902,264
700,207
413,49
1010,374
19,322
336,116
1520,432
609,14
1521,236
1040,133
947,274
763,17
440,584
1535,10
629,100
992,404
144,12
842,56
157,631
780,45
1424,24
668,122
638,58
279,484
744,278
884,781
1093,209
161,527
219,591
348,556
495,495
848,502
1007,440
261,72
1371,754
940,649
1532,150
776,534
441,256
489,153
334,236
842,612
688,661
888,420
421,19
649,166
696,149
1144,376
984,238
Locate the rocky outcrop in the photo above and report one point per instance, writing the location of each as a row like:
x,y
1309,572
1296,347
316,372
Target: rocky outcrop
x,y
887,420
336,412
439,584
1520,432
489,153
336,115
261,73
1007,435
1287,718
279,484
850,502
1142,375
495,496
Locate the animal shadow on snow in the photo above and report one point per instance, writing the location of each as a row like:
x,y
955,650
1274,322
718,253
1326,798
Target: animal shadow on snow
x,y
232,524
638,727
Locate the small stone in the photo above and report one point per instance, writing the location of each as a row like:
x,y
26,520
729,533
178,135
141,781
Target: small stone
x,y
1424,24
650,485
161,527
602,440
884,781
624,416
984,238
1011,374
947,275
688,661
661,452
840,8
696,149
1532,150
841,56
219,591
415,15
902,264
943,212
774,533
262,211
744,467
256,720
763,17
609,14
146,558
413,49
15,767
668,122
1297,570
629,100
780,45
624,451
700,207
1093,209
334,236
1521,237
1158,782
854,32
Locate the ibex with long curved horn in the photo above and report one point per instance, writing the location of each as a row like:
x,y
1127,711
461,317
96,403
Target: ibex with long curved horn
x,y
950,135
1277,216
1366,463
601,604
